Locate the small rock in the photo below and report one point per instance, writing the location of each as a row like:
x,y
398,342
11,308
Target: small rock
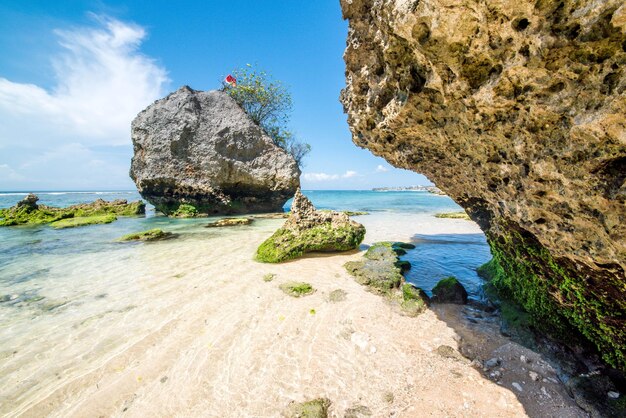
x,y
496,375
613,395
477,363
534,376
545,392
517,386
493,362
523,359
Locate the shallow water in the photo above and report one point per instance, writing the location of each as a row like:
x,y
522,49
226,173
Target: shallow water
x,y
75,297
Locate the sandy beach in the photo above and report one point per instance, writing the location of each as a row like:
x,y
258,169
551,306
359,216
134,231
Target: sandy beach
x,y
212,338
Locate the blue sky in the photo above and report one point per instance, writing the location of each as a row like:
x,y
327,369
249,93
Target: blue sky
x,y
73,74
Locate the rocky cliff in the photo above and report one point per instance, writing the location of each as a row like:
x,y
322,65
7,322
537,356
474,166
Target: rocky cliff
x,y
201,149
517,110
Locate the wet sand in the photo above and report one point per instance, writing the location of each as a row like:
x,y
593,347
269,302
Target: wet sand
x,y
212,338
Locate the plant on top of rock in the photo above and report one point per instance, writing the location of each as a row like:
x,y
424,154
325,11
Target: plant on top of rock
x,y
268,103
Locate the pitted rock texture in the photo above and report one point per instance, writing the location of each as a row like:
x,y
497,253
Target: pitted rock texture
x,y
201,149
517,110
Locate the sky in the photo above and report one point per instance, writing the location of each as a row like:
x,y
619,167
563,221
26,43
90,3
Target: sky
x,y
73,75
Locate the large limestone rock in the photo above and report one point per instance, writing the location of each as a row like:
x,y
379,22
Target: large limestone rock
x,y
309,230
517,110
201,149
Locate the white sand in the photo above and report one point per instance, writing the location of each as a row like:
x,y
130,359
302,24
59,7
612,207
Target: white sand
x,y
211,338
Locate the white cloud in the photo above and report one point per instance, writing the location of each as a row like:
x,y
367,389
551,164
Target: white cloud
x,y
320,176
326,177
102,82
381,168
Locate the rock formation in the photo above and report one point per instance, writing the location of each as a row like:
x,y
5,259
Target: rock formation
x,y
309,230
28,212
200,149
516,109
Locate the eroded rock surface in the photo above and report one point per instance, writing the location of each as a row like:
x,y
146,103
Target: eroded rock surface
x,y
200,149
516,109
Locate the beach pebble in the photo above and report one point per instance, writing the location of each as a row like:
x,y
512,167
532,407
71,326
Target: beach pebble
x,y
534,376
612,394
523,359
493,362
517,386
496,375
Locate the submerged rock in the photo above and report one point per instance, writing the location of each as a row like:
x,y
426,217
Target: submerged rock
x,y
308,230
381,271
149,235
515,109
83,221
230,222
449,290
201,149
297,289
316,408
28,212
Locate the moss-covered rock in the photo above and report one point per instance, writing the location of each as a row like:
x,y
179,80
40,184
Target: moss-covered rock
x,y
308,230
378,270
449,290
414,300
185,211
149,235
316,408
381,271
83,221
562,301
297,289
28,212
230,222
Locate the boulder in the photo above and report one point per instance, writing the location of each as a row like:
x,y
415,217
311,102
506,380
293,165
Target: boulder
x,y
449,290
515,109
309,230
201,149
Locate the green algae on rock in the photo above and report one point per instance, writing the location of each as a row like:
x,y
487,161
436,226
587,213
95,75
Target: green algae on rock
x,y
28,212
449,290
229,222
381,271
83,221
297,289
184,211
149,235
316,408
308,230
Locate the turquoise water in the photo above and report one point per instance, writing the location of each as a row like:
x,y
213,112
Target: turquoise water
x,y
32,256
71,299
